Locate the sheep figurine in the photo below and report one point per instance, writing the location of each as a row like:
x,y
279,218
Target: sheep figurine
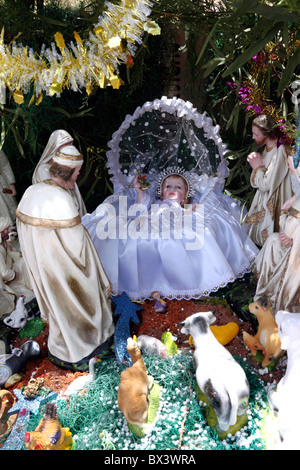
x,y
284,400
220,378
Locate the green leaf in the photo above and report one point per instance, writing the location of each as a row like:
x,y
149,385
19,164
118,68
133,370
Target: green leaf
x,y
285,34
252,50
2,133
212,65
206,42
288,72
17,140
243,7
214,81
275,13
85,112
51,21
284,107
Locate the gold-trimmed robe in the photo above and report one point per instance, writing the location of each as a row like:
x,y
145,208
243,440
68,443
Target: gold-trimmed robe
x,y
278,266
273,187
71,287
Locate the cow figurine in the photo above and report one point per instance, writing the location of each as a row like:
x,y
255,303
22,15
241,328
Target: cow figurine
x,y
220,378
266,338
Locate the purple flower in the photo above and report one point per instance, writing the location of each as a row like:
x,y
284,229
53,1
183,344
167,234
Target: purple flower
x,y
231,85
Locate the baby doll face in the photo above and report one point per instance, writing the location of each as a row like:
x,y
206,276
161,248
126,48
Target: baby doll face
x,y
174,189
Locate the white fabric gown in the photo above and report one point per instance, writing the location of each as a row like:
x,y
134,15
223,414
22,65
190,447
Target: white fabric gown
x,y
277,266
165,261
72,290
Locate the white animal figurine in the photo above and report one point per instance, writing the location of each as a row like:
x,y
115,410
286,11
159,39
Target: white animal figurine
x,y
83,381
18,317
219,376
285,400
152,346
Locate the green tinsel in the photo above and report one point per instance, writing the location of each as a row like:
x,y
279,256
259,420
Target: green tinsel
x,y
96,421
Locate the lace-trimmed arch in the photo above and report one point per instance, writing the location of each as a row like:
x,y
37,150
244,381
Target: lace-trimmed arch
x,y
162,133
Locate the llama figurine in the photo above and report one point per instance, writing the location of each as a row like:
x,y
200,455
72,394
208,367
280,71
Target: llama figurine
x,y
266,338
134,388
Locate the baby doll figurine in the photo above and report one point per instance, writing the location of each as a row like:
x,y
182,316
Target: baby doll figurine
x,y
174,188
160,305
177,241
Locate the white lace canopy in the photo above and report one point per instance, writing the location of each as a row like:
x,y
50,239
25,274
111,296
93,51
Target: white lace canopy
x,y
166,132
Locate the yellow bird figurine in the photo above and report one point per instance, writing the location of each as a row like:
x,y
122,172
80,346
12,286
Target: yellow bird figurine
x,y
169,341
49,435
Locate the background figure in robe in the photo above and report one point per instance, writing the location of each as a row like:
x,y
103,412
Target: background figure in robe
x,y
270,176
57,141
71,287
8,203
14,279
277,265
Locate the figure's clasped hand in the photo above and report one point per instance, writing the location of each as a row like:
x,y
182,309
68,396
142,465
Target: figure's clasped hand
x,y
286,241
254,159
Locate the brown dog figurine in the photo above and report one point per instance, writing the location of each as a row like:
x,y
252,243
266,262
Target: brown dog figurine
x,y
266,338
134,388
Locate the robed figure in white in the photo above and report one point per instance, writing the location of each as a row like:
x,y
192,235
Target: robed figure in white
x,y
277,265
8,203
57,141
71,287
271,179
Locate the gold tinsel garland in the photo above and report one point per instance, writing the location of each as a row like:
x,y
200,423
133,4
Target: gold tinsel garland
x,y
82,65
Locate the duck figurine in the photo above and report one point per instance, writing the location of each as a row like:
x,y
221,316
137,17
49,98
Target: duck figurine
x,y
83,381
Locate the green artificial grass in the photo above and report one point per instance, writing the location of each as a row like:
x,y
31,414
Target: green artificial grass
x,y
96,421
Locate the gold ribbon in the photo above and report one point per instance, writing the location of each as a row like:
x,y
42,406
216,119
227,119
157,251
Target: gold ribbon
x,y
47,223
